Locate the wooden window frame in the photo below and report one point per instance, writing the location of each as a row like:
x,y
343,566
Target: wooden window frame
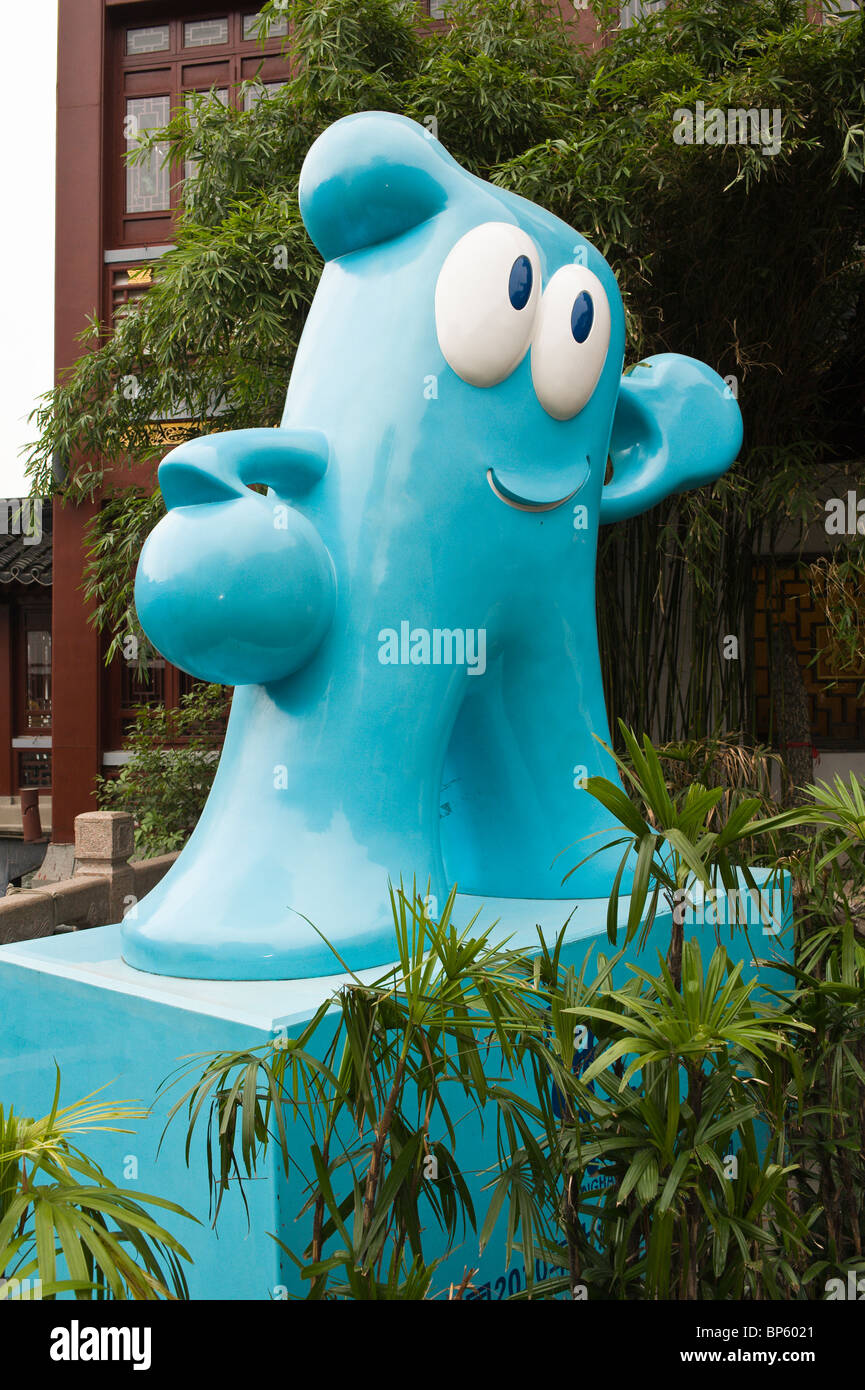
x,y
25,611
118,715
170,71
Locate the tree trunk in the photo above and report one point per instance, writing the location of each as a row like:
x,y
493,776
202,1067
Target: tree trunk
x,y
792,715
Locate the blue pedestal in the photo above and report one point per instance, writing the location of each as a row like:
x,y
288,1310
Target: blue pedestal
x,y
73,1000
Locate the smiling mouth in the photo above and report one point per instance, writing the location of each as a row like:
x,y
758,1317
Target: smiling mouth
x,y
522,504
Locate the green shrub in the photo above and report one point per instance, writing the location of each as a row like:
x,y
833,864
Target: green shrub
x,y
708,1145
56,1204
174,758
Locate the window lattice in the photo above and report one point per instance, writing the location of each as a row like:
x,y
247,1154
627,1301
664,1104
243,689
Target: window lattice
x,y
278,27
260,91
837,714
156,39
205,33
145,687
148,181
34,768
220,94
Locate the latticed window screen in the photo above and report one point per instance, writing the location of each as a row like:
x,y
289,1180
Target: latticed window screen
x,y
634,10
166,686
259,91
148,183
34,768
205,33
38,694
837,714
220,94
251,27
157,63
142,687
155,39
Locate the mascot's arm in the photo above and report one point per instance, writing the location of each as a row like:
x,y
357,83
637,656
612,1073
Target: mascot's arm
x,y
677,426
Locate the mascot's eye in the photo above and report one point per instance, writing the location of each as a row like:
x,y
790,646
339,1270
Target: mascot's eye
x,y
486,302
570,342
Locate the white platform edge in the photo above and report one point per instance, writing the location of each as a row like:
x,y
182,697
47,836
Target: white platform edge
x,y
92,957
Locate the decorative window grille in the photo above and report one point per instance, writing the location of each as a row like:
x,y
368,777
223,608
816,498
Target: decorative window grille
x,y
635,10
278,27
148,183
260,91
156,39
205,33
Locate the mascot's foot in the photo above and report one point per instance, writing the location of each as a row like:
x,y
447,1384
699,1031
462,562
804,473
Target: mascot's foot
x,y
288,949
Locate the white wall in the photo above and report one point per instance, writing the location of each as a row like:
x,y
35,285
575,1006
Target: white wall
x,y
27,232
834,764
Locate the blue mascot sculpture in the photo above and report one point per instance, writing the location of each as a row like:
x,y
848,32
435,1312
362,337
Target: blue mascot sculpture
x,y
409,612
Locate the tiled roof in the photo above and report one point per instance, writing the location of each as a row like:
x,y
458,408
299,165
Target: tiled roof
x,y
25,541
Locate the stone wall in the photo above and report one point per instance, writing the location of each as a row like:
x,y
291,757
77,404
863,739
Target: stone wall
x,y
106,882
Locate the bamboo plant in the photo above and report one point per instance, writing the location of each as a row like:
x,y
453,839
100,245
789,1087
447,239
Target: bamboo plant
x,y
64,1228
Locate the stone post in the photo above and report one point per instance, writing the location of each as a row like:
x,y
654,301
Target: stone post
x,y
104,841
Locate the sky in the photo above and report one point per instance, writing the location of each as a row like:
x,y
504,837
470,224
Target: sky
x,y
27,231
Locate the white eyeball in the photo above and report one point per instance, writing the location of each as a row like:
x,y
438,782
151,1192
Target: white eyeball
x,y
571,341
486,301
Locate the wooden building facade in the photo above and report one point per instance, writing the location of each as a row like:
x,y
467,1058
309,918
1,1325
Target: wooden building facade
x,y
123,68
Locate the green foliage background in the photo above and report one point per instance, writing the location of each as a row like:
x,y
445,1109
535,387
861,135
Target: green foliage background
x,y
752,263
167,780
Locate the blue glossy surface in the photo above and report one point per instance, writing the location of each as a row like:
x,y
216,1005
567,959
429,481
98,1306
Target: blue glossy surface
x,y
409,615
